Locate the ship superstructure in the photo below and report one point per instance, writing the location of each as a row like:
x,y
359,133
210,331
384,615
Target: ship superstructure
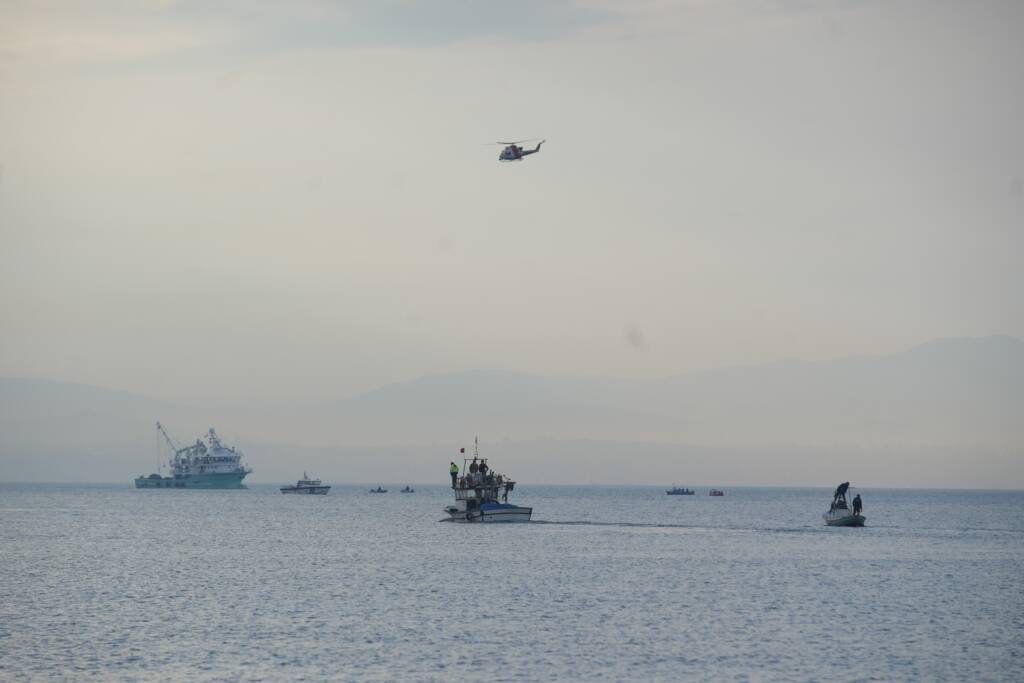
x,y
207,464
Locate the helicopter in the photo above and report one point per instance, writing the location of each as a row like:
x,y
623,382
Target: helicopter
x,y
513,152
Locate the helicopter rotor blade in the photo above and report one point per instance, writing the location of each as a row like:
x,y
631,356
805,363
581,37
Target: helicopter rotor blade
x,y
511,142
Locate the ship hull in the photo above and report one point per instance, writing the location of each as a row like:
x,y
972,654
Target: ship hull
x,y
843,519
497,514
231,480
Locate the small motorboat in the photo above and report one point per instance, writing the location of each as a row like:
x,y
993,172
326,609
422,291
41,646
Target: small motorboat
x,y
716,492
308,486
378,490
408,489
839,513
676,491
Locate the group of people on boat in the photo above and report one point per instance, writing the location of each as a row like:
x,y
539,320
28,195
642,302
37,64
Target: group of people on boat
x,y
480,474
839,499
858,505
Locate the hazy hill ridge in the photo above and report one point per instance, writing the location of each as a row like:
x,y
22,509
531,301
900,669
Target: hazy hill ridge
x,y
965,391
951,396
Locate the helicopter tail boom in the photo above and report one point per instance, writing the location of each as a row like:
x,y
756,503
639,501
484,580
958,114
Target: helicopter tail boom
x,y
534,150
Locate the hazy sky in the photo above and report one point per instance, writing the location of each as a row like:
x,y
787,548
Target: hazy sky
x,y
252,198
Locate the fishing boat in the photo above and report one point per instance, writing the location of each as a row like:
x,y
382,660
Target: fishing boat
x,y
839,513
207,464
307,486
481,495
408,489
676,491
378,490
716,493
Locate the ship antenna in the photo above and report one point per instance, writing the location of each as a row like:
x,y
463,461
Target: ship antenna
x,y
476,446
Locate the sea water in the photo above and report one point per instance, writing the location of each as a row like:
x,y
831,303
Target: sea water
x,y
608,583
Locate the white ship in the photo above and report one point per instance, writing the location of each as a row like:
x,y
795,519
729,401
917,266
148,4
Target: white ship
x,y
204,465
307,486
477,494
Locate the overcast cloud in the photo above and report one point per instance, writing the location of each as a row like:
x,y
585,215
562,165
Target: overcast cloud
x,y
291,199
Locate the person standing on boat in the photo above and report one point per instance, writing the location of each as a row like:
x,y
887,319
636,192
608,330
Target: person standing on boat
x,y
453,470
857,505
840,494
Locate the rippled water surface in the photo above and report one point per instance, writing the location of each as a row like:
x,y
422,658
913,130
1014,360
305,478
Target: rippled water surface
x,y
113,583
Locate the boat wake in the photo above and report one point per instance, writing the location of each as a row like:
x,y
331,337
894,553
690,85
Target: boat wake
x,y
647,525
612,524
691,527
653,525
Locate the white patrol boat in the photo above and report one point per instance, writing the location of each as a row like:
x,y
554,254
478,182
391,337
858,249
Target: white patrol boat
x,y
308,486
676,491
481,495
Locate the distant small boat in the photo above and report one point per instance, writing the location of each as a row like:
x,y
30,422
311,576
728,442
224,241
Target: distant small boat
x,y
308,486
716,492
676,491
378,490
408,489
839,513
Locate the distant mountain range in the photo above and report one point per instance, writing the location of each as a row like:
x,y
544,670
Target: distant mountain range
x,y
952,391
952,404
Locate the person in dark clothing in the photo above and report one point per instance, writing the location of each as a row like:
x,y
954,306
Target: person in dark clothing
x,y
857,505
840,494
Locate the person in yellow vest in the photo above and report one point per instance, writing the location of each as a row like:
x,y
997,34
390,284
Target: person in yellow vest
x,y
453,469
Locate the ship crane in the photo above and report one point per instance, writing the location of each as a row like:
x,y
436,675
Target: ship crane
x,y
170,442
179,455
